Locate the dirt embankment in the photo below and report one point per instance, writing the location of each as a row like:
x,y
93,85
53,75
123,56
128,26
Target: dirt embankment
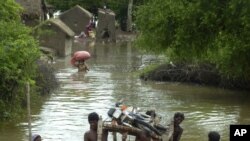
x,y
202,74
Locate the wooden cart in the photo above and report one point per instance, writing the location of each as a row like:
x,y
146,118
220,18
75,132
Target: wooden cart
x,y
126,130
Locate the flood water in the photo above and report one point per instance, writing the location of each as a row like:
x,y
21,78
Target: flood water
x,y
63,116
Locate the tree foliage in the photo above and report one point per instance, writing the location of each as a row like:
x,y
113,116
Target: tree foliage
x,y
9,10
63,5
18,53
212,31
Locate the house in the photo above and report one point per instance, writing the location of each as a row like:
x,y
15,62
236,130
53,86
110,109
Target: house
x,y
106,29
76,18
54,34
34,11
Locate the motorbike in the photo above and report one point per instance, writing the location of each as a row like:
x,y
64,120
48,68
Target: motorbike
x,y
132,117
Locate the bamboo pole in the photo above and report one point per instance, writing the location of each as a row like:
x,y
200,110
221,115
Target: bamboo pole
x,y
114,133
28,108
114,136
129,14
99,129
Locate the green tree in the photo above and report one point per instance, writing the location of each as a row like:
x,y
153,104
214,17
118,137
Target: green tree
x,y
18,55
63,5
9,10
198,31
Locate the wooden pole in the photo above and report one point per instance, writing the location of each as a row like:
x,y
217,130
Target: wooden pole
x,y
99,129
114,136
114,133
129,14
28,108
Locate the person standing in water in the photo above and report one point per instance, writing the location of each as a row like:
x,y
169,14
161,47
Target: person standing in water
x,y
91,134
178,130
82,66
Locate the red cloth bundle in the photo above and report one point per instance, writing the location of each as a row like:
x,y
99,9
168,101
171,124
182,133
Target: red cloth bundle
x,y
80,56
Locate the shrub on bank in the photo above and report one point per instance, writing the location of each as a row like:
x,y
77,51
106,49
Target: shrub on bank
x,y
199,31
45,80
203,74
19,53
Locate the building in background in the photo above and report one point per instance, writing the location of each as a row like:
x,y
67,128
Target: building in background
x,y
54,34
76,18
106,29
34,11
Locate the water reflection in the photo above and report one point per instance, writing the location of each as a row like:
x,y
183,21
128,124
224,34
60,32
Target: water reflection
x,y
63,117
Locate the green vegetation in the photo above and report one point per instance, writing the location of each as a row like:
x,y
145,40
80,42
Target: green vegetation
x,y
213,32
18,55
64,5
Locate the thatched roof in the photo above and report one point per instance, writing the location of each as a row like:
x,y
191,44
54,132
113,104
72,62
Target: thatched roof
x,y
63,26
79,8
106,11
57,22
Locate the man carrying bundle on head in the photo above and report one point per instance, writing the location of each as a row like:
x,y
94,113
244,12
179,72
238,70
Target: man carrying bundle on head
x,y
78,60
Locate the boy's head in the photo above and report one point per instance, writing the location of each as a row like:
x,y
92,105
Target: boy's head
x,y
178,117
93,117
213,136
36,137
93,120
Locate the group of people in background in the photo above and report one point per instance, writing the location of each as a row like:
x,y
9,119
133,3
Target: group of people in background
x,y
88,31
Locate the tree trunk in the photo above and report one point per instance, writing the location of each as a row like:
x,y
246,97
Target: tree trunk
x,y
129,19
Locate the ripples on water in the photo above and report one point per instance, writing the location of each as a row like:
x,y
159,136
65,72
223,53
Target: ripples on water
x,y
63,117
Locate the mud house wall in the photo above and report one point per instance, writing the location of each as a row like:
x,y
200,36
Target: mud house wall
x,y
106,20
111,27
76,20
68,45
57,40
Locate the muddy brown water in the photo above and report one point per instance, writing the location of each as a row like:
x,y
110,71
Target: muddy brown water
x,y
63,116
